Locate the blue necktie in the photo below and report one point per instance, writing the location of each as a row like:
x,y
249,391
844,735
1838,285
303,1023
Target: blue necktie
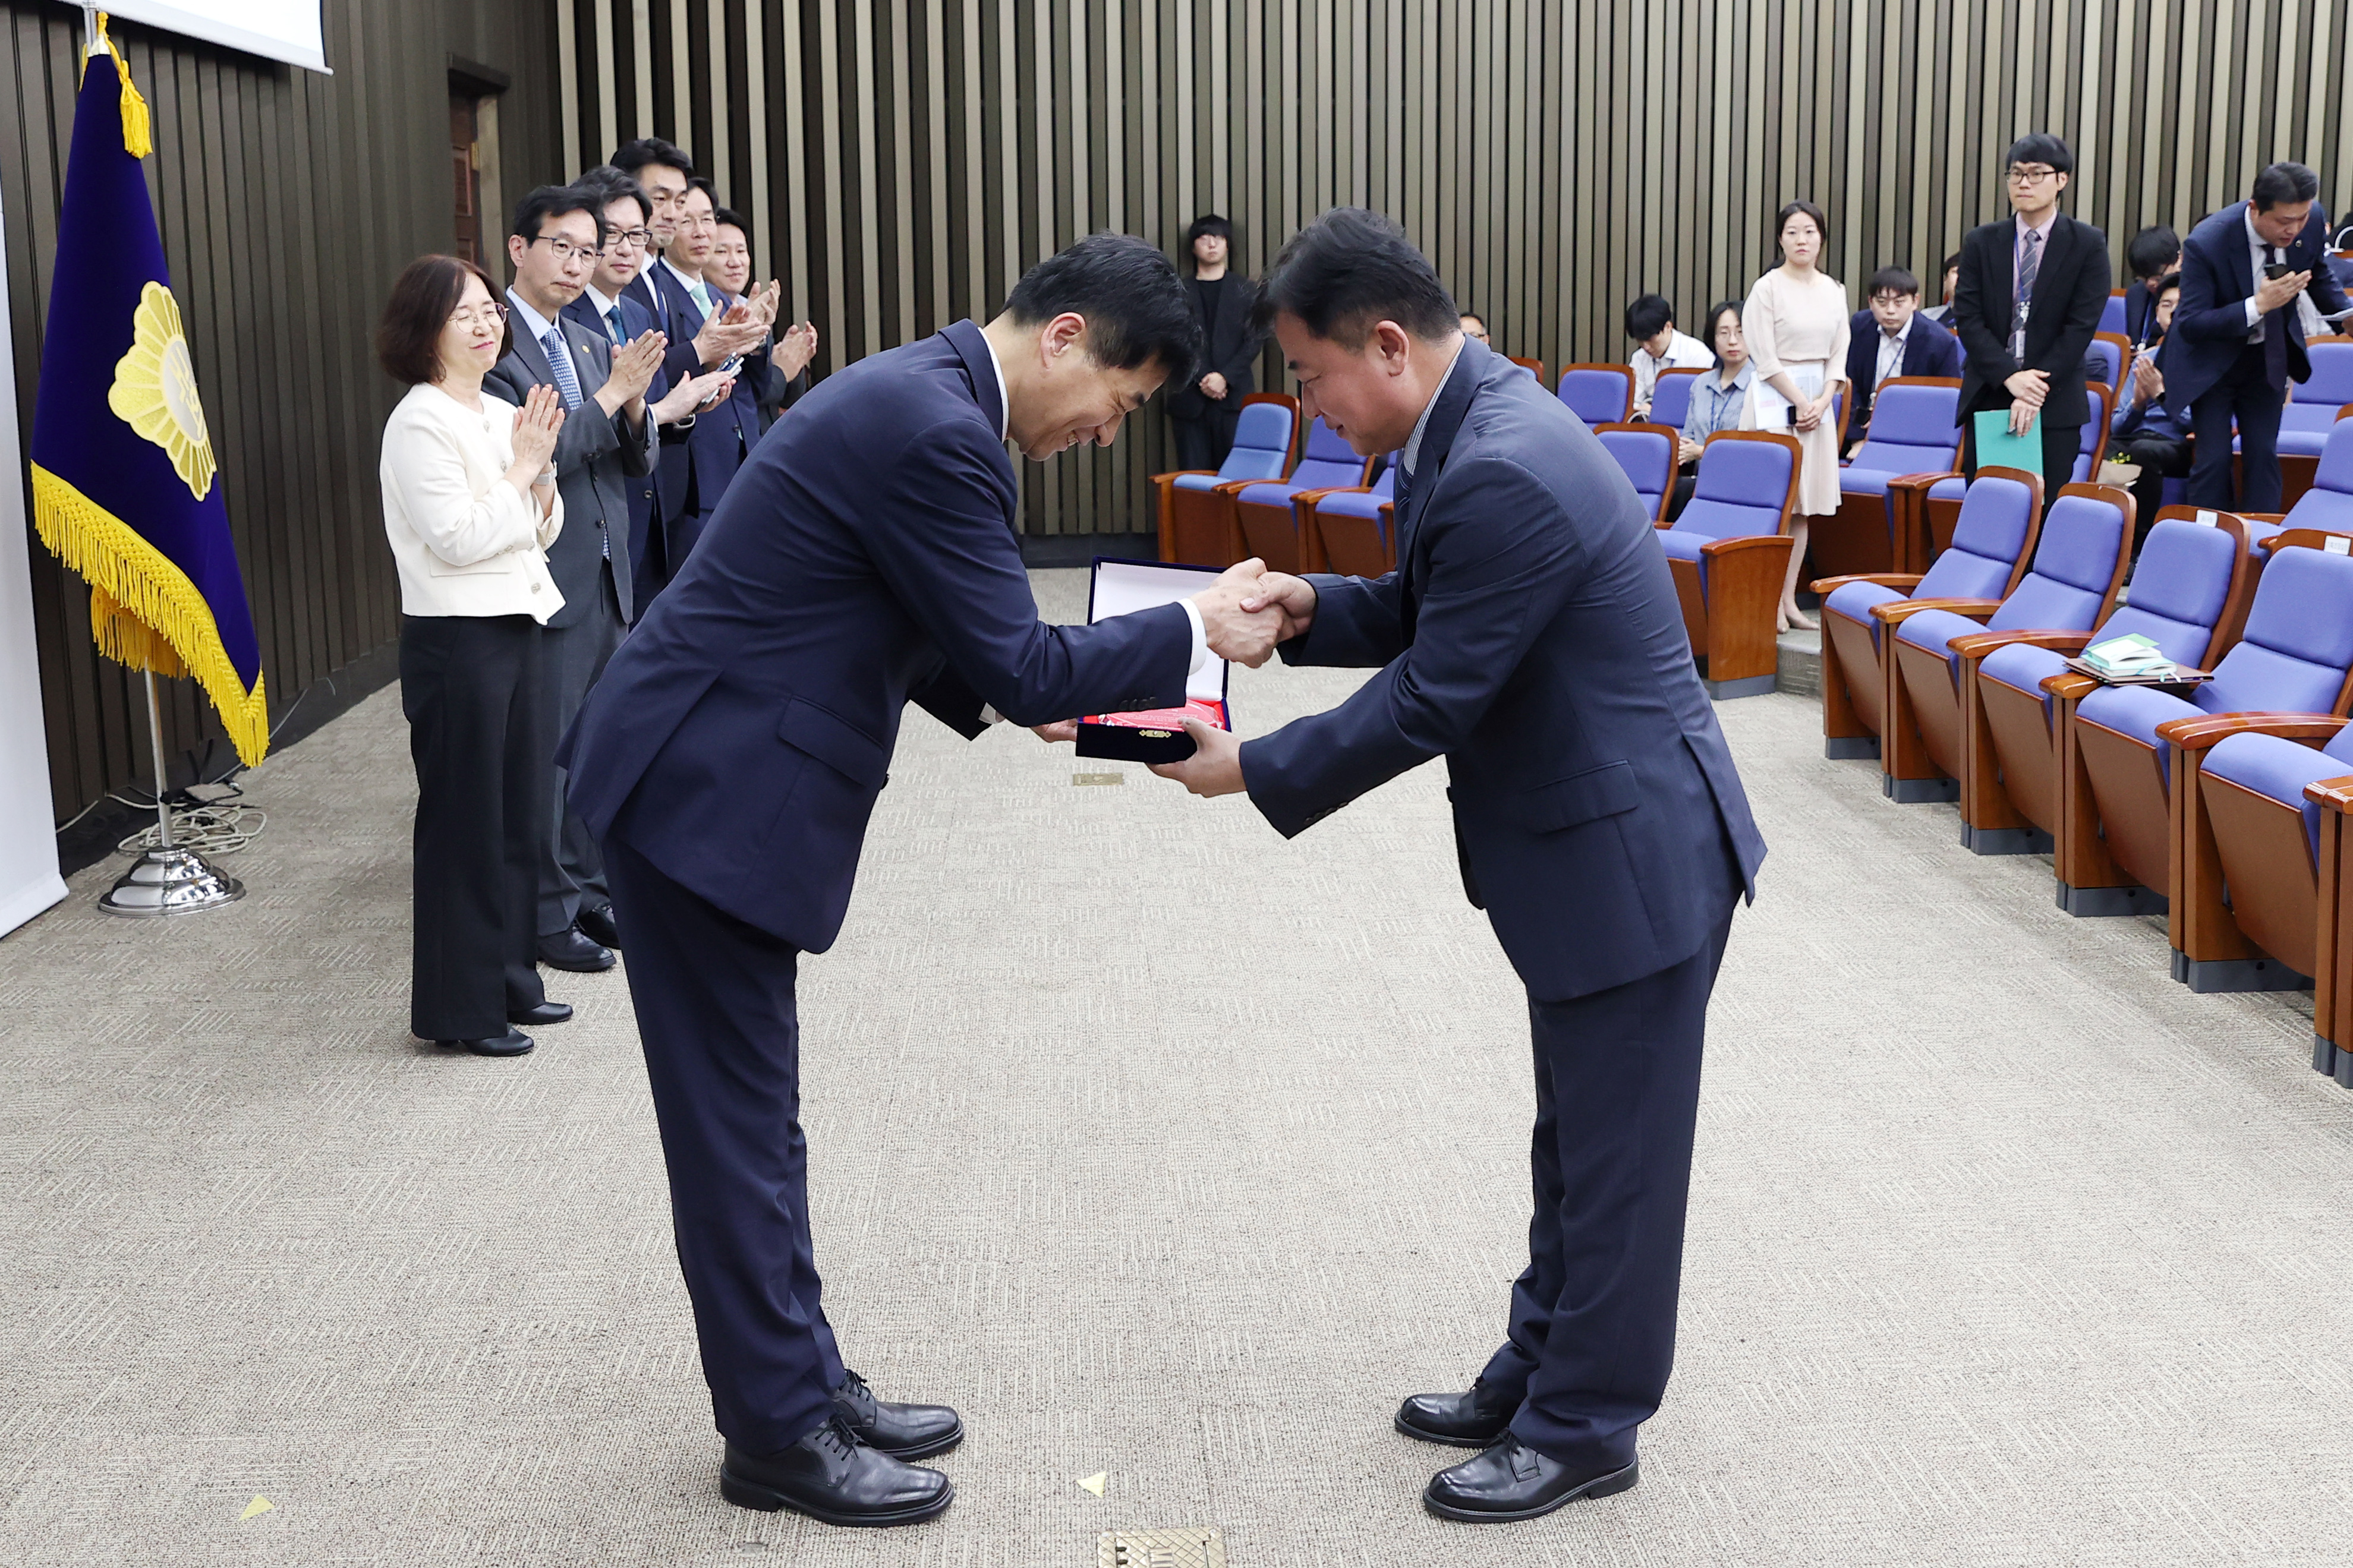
x,y
1399,491
559,360
620,336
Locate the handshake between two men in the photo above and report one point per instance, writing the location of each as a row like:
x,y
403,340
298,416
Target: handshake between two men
x,y
1244,616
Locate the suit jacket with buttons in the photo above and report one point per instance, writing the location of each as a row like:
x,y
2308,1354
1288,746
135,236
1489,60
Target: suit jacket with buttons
x,y
596,458
2071,292
2218,277
1531,636
1929,350
670,465
864,558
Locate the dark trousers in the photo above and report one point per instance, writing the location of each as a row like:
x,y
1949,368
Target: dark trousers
x,y
571,869
1203,443
2062,444
475,696
1593,1316
722,1036
2248,394
2158,458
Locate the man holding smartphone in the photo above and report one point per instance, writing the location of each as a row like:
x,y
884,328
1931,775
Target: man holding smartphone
x,y
2237,341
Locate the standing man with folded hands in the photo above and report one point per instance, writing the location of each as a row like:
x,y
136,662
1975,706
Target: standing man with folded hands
x,y
1530,635
863,559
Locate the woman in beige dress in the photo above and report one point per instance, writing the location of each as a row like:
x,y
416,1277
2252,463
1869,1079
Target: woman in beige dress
x,y
1796,323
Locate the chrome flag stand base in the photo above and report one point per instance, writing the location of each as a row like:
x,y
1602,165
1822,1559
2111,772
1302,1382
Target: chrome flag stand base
x,y
167,879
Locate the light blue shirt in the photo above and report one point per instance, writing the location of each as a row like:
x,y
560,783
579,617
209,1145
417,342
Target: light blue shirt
x,y
1715,406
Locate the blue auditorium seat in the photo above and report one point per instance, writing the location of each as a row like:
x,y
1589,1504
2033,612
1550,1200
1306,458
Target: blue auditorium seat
x,y
2326,504
2313,406
1647,453
1992,543
1912,435
1273,528
1729,553
1357,528
2190,591
2293,658
1196,519
1597,394
2112,314
2111,350
1671,396
1943,501
2078,563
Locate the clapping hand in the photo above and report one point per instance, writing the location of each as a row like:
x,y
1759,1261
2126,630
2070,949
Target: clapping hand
x,y
795,348
693,395
1246,635
634,365
737,330
536,427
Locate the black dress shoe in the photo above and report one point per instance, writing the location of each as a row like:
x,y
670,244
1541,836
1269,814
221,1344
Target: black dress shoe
x,y
1472,1419
1512,1480
902,1431
545,1013
567,949
831,1476
596,925
513,1043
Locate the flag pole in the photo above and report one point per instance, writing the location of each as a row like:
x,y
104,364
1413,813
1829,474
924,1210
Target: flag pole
x,y
169,879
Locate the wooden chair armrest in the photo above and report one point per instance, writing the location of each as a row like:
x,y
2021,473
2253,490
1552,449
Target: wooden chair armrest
x,y
2336,793
1309,498
1715,547
2263,516
1235,487
1979,644
1922,481
1895,610
2198,734
2070,685
1824,585
1179,473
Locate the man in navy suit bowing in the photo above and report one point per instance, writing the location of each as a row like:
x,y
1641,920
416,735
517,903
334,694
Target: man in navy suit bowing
x,y
1531,636
863,559
2236,340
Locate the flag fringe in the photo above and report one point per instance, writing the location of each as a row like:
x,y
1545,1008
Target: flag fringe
x,y
145,612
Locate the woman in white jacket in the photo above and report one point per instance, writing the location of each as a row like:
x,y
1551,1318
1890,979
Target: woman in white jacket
x,y
470,505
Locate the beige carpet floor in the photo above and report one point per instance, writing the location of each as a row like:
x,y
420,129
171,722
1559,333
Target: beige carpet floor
x,y
1168,1150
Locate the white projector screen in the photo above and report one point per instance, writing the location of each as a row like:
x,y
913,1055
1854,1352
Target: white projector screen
x,y
285,30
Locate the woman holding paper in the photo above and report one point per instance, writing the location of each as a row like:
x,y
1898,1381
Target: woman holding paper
x,y
1796,323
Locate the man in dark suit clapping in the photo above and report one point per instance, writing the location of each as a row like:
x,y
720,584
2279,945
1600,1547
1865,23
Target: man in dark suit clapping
x,y
865,558
607,440
1530,635
2237,341
2027,306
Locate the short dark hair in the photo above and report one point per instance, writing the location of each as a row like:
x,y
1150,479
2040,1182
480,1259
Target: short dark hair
x,y
1722,308
544,202
1892,281
2165,285
2284,182
1952,263
697,183
1208,223
611,184
733,218
409,337
1648,316
1791,209
2153,252
2040,147
1350,269
1461,316
1138,310
631,156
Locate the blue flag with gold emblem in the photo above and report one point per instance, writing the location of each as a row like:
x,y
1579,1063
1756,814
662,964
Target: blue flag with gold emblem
x,y
125,487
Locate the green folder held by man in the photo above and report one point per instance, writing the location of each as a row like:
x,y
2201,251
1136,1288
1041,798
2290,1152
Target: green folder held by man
x,y
1998,448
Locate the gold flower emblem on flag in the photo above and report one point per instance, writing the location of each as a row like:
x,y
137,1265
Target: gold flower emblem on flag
x,y
154,390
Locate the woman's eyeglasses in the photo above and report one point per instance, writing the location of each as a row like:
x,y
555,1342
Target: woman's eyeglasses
x,y
492,314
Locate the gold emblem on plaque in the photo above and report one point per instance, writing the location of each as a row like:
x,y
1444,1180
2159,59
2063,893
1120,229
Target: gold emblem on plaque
x,y
1156,734
1194,1546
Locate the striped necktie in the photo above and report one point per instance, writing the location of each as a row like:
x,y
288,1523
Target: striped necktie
x,y
559,360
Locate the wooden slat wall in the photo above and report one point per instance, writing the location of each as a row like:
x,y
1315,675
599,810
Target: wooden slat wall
x,y
903,160
288,201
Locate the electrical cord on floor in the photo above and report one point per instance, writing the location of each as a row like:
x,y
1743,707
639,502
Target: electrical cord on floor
x,y
219,825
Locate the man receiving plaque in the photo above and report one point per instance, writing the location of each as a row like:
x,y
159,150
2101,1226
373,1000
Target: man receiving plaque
x,y
1530,635
863,558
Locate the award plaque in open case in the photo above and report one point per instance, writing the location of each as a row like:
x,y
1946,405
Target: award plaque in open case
x,y
1121,587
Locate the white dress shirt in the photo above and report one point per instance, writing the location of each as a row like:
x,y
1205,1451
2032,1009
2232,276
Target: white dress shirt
x,y
1890,352
1411,456
605,307
2259,257
465,542
989,715
1683,353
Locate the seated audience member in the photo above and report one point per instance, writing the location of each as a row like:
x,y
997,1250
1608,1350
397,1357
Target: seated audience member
x,y
1651,322
1717,399
2154,252
2147,433
1942,312
782,375
1475,326
1889,340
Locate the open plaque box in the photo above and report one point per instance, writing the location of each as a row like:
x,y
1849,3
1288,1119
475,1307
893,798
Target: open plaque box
x,y
1122,588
